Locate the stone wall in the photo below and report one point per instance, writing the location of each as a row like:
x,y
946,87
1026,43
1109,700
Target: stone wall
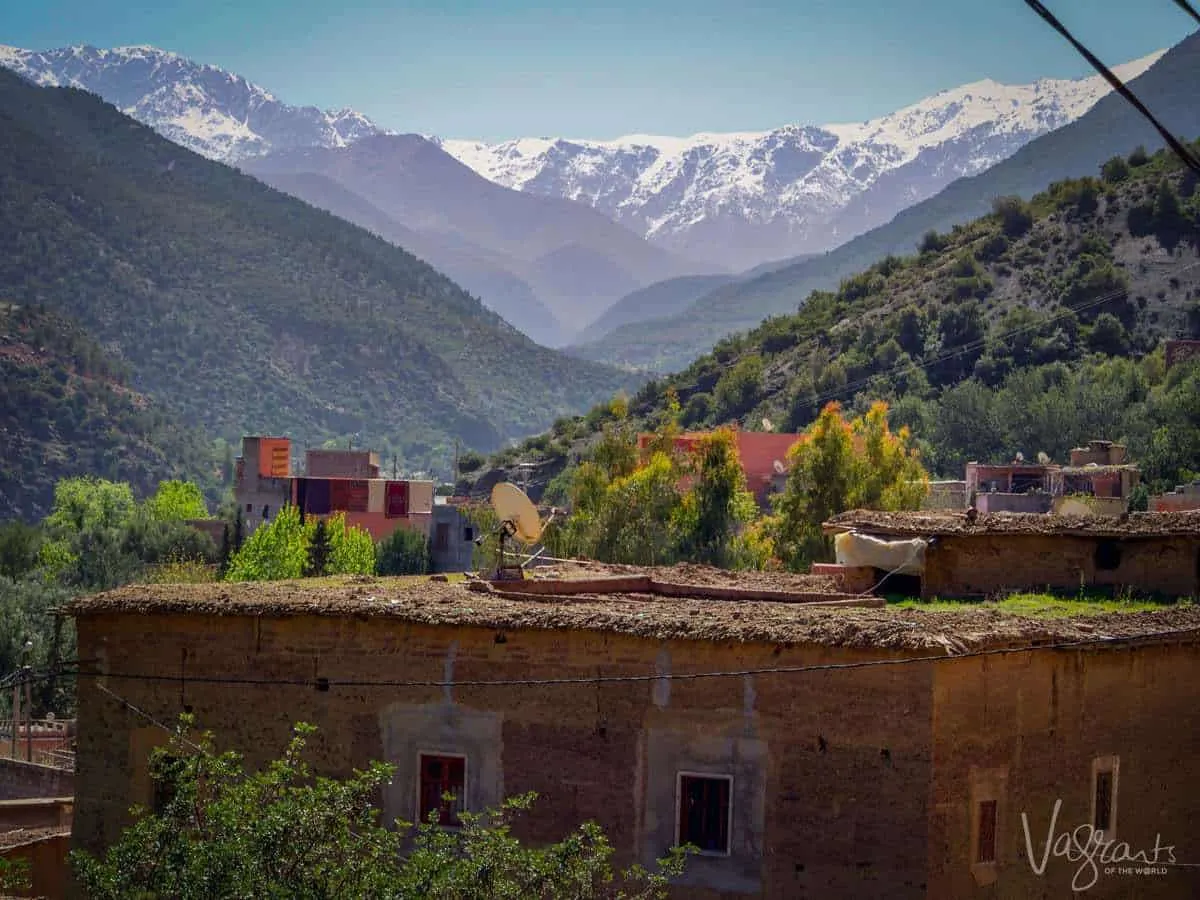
x,y
982,565
831,769
20,780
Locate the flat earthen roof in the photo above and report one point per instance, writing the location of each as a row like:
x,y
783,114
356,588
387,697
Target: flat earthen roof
x,y
642,615
931,524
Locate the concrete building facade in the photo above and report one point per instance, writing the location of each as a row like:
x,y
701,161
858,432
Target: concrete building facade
x,y
889,775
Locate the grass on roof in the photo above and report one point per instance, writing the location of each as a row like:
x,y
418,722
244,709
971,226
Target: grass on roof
x,y
1046,605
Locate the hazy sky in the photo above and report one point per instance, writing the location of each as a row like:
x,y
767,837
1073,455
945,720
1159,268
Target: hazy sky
x,y
514,68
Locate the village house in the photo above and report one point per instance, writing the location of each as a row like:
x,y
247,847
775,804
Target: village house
x,y
333,481
763,456
1099,480
984,554
807,750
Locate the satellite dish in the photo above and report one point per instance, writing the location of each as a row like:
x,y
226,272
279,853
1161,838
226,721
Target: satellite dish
x,y
766,423
1020,456
779,467
1043,457
514,507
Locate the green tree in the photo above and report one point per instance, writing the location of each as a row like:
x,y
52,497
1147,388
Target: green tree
x,y
352,550
176,501
19,545
717,505
229,833
403,552
276,550
319,551
839,465
1014,214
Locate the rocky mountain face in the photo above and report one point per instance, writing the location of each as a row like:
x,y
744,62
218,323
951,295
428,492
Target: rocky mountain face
x,y
216,113
745,198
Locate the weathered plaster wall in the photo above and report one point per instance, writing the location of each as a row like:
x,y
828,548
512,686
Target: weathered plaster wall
x,y
1032,725
989,564
831,769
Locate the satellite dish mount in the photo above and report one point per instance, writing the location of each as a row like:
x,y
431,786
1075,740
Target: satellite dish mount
x,y
518,518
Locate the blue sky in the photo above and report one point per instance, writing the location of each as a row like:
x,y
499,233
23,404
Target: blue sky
x,y
463,68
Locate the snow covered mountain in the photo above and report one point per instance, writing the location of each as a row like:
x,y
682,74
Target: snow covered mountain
x,y
206,109
744,198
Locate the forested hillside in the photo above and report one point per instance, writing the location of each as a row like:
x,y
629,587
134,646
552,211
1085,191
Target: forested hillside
x,y
66,409
1031,329
1111,127
249,311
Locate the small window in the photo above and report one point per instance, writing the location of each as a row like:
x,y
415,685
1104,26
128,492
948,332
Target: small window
x,y
249,507
468,533
266,512
442,775
704,812
1104,783
985,845
1108,555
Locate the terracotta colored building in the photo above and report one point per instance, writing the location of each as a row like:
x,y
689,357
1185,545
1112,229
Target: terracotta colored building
x,y
345,481
1151,552
904,775
763,455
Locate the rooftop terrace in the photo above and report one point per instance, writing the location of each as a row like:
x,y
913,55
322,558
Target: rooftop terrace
x,y
936,523
709,609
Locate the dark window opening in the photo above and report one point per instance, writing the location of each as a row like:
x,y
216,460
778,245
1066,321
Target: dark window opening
x,y
1103,817
266,512
442,775
1108,555
985,845
469,535
249,507
704,812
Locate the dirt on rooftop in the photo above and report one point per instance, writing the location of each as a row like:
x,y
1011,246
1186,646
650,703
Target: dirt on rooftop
x,y
19,836
645,615
922,524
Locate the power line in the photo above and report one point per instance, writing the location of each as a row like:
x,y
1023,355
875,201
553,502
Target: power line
x,y
1118,85
1188,8
328,683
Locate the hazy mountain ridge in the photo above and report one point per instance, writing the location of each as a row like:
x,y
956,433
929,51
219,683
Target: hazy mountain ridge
x,y
745,198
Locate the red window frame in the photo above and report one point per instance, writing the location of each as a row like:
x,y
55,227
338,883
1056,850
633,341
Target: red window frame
x,y
704,812
440,774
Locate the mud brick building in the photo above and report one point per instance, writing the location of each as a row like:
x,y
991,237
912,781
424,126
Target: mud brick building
x,y
991,553
903,776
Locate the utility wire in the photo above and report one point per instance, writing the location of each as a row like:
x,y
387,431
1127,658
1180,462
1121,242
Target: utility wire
x,y
1118,85
323,683
1188,8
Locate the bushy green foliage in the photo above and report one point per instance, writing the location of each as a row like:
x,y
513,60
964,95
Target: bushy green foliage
x,y
839,465
404,552
282,548
176,501
229,832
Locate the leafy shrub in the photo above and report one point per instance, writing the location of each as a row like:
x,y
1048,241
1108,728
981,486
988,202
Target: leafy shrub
x,y
404,552
1014,214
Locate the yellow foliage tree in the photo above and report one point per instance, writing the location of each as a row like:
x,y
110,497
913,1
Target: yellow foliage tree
x,y
839,465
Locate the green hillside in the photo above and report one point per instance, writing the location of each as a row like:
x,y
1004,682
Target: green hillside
x,y
1030,329
66,409
246,310
1111,127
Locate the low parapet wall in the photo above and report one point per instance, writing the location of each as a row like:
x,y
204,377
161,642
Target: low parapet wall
x,y
556,589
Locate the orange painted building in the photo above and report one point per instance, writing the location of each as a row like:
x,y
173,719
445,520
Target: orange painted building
x,y
763,455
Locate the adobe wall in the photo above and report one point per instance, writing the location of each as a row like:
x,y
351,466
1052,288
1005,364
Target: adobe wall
x,y
831,769
20,780
973,565
1029,728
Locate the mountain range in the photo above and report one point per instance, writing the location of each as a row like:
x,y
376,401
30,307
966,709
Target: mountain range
x,y
1110,128
733,201
244,310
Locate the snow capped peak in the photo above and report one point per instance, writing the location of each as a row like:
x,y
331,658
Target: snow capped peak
x,y
216,113
744,197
